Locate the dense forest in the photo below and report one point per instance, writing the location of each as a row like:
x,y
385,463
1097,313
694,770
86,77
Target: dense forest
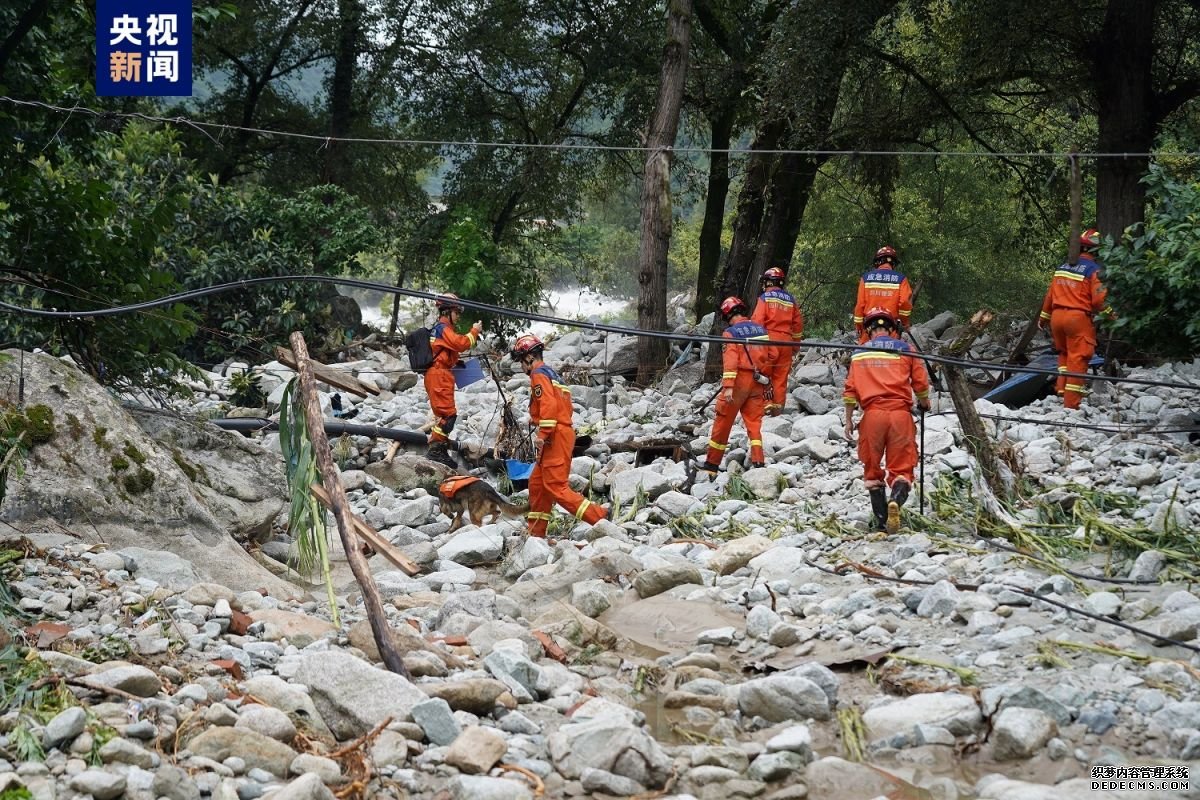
x,y
498,148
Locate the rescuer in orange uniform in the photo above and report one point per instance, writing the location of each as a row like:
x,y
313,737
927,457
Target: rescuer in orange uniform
x,y
745,386
882,380
550,411
446,344
778,312
1074,297
883,286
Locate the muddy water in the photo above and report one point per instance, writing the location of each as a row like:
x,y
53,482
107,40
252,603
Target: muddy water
x,y
667,625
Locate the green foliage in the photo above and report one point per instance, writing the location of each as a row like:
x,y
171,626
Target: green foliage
x,y
16,793
1153,274
472,266
306,516
138,481
20,431
247,390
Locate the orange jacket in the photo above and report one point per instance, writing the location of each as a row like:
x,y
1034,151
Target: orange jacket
x,y
778,312
549,401
447,343
1077,288
883,378
883,287
739,355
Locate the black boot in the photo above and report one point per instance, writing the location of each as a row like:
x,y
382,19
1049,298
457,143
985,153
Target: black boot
x,y
708,466
439,452
879,506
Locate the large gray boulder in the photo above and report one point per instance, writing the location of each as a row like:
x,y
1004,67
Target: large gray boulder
x,y
109,481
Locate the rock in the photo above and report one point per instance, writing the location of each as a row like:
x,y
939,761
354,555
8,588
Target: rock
x,y
656,581
174,783
764,482
1021,732
64,727
735,554
796,739
1104,603
207,594
267,721
677,504
437,721
818,374
955,712
306,787
591,597
472,546
133,679
611,745
1147,566
299,629
258,751
597,780
1140,475
291,700
476,695
940,599
783,698
771,767
625,485
123,751
99,784
1072,789
352,696
324,768
470,787
835,777
476,750
810,401
515,670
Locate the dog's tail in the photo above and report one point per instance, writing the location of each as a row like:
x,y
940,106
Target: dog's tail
x,y
513,509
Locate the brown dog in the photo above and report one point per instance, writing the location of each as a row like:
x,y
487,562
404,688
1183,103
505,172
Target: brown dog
x,y
466,494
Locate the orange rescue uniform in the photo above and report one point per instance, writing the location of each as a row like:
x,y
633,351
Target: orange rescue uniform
x,y
778,312
885,288
1075,295
882,380
737,374
446,344
550,411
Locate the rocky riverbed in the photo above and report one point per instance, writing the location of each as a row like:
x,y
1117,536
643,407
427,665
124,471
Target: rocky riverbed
x,y
736,637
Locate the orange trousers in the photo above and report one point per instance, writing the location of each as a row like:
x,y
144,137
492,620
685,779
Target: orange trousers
x,y
778,372
548,485
748,401
439,385
1075,340
887,436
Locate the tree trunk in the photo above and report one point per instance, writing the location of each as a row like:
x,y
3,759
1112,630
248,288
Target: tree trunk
x,y
656,192
1125,112
751,202
714,211
791,186
25,23
341,91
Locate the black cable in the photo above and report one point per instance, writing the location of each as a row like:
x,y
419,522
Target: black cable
x,y
973,587
593,326
1076,425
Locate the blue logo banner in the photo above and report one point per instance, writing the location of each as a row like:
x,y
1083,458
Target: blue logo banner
x,y
144,48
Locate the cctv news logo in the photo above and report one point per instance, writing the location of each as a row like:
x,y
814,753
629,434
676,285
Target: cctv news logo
x,y
1147,778
144,48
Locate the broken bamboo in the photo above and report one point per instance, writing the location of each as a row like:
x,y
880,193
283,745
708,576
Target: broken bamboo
x,y
341,510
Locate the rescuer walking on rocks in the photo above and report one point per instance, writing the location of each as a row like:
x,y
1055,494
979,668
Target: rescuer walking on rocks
x,y
884,287
778,312
1075,296
745,388
883,380
550,410
446,344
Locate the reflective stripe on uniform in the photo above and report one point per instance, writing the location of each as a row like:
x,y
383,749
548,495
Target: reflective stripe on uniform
x,y
756,442
716,446
583,507
876,354
1073,276
547,423
539,515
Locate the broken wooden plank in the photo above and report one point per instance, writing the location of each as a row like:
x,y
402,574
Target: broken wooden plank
x,y
372,536
340,505
338,380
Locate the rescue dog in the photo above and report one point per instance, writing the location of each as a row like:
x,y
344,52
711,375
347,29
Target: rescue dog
x,y
461,495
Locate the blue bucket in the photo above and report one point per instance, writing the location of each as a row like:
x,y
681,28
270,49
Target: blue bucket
x,y
467,372
518,470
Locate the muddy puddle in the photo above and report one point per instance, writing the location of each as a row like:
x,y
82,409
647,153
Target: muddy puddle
x,y
666,625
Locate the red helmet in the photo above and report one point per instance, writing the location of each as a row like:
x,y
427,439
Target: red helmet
x,y
527,344
1089,239
449,302
886,253
877,315
774,274
732,305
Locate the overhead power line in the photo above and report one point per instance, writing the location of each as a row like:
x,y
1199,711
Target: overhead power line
x,y
221,127
181,297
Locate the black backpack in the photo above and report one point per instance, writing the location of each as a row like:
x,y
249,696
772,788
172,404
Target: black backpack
x,y
420,353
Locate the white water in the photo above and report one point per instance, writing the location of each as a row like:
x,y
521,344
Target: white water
x,y
578,303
